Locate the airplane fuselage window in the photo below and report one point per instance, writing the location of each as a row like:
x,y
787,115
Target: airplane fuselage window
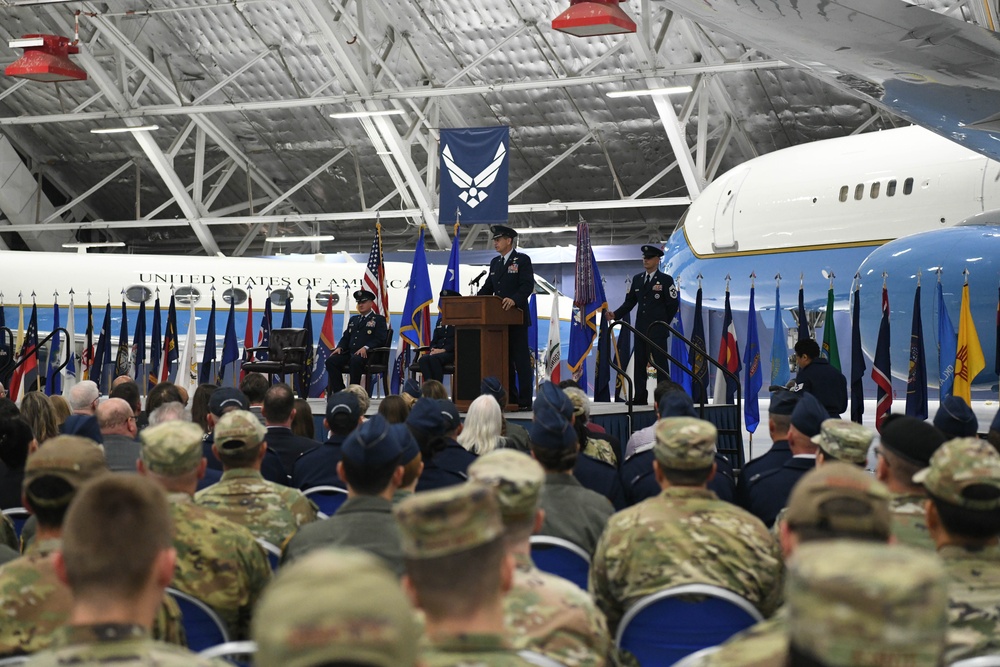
x,y
187,294
844,191
234,294
874,190
890,188
907,186
859,191
324,297
137,294
279,296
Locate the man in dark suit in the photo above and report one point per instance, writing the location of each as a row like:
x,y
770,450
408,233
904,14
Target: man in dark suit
x,y
442,352
512,278
364,331
279,411
656,295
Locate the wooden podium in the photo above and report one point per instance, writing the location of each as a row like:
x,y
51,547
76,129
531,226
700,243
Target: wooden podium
x,y
480,342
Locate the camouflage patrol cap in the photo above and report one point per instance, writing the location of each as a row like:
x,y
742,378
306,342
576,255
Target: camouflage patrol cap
x,y
516,479
68,457
581,404
448,521
239,430
844,441
684,443
171,448
962,472
335,605
863,604
840,498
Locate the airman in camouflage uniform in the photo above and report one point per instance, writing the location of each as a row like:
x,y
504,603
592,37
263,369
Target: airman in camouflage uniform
x,y
301,617
271,511
594,448
218,561
841,440
544,612
34,603
457,531
963,482
834,502
685,535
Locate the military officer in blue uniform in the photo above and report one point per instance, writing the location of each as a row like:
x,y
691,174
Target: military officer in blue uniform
x,y
442,352
656,295
364,331
512,278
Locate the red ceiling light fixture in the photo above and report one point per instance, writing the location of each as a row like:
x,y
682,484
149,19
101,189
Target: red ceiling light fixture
x,y
589,18
46,59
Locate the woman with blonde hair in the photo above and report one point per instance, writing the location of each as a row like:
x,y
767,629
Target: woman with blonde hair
x,y
483,423
37,410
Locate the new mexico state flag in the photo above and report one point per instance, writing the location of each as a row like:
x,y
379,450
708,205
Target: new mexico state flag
x,y
969,358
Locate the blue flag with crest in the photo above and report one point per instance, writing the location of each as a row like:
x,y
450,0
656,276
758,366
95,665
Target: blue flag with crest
x,y
474,164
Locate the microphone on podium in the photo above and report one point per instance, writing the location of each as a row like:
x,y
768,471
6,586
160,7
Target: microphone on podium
x,y
475,281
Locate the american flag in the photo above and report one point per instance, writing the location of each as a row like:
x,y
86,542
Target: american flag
x,y
374,280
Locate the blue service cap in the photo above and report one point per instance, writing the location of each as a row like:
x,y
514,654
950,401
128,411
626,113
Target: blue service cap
x,y
783,402
411,387
363,295
550,430
808,414
372,444
551,398
650,251
676,404
491,385
343,402
426,415
955,418
450,292
452,419
407,443
223,397
500,231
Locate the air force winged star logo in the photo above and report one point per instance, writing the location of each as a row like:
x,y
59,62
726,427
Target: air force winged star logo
x,y
473,188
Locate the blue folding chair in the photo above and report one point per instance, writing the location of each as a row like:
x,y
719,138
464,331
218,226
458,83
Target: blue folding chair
x,y
272,551
662,628
19,516
202,625
236,653
561,558
327,498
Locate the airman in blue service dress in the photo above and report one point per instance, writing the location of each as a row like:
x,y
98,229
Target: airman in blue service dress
x,y
511,277
364,331
656,295
442,352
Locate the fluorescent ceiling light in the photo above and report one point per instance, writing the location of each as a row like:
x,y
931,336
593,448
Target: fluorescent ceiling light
x,y
650,91
116,130
367,114
297,239
546,230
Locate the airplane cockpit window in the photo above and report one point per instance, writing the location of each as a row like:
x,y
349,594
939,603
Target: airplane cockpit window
x,y
844,191
859,191
890,188
326,296
137,294
234,295
908,186
187,295
874,191
280,296
543,286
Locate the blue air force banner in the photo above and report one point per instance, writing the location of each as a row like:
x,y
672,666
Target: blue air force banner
x,y
473,175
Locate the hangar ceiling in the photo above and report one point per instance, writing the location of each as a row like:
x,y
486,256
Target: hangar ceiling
x,y
242,92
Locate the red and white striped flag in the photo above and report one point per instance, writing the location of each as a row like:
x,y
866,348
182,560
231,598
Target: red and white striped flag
x,y
374,280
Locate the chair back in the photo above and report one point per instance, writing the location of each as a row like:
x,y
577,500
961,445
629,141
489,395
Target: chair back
x,y
236,653
285,338
698,658
273,553
378,364
202,625
666,626
327,498
19,516
561,558
981,661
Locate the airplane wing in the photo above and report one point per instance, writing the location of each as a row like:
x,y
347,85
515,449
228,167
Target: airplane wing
x,y
934,70
486,177
458,177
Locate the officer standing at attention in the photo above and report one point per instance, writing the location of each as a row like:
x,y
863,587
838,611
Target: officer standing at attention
x,y
512,278
364,331
442,352
656,295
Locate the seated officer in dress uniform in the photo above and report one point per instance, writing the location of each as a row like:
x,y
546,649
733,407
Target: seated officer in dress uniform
x,y
442,352
364,331
656,295
301,618
512,278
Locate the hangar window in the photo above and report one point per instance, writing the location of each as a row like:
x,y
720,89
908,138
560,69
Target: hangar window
x,y
908,186
187,295
137,294
890,188
844,191
326,296
234,295
859,191
280,296
874,191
